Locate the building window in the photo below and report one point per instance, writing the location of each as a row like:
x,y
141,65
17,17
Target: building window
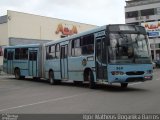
x,y
157,45
134,23
147,12
132,14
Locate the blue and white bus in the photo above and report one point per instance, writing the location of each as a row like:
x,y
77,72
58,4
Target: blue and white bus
x,y
109,54
23,60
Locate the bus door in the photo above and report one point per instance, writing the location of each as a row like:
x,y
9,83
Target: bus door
x,y
10,55
64,62
33,63
101,59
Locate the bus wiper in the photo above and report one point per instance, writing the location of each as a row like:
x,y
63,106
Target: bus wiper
x,y
123,36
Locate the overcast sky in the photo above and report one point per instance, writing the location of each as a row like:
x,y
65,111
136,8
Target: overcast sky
x,y
96,12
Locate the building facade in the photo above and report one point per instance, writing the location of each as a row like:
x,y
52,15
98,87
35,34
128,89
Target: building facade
x,y
147,14
23,28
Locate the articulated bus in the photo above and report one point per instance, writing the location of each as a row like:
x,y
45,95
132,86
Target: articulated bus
x,y
109,54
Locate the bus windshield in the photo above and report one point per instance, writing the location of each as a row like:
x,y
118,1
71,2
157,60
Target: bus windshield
x,y
128,48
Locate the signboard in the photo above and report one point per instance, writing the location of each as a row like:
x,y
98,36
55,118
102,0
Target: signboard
x,y
158,11
66,29
152,28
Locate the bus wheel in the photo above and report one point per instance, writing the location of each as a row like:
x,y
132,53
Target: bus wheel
x,y
36,78
124,85
51,78
22,77
78,83
92,84
17,74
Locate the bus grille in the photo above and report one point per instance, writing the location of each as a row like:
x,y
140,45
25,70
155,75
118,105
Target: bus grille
x,y
135,73
137,79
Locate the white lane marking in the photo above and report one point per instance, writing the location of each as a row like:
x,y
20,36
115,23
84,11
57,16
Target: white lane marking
x,y
135,83
45,101
2,80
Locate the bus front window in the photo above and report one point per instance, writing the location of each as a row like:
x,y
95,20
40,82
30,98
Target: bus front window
x,y
128,48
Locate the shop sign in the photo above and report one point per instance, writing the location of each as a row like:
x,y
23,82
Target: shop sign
x,y
152,28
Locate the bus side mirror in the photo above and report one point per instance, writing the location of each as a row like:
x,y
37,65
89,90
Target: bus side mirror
x,y
107,41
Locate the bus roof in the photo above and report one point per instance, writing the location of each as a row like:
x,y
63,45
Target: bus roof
x,y
77,35
97,29
23,46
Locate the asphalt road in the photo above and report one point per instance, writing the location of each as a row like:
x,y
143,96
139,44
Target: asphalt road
x,y
30,96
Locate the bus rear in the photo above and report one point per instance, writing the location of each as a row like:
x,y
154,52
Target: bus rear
x,y
129,58
23,60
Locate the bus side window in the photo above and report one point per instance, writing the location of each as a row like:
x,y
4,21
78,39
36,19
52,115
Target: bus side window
x,y
98,50
21,53
76,49
5,53
57,51
17,51
33,56
24,53
50,52
47,52
70,48
87,44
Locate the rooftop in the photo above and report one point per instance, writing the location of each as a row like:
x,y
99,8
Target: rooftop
x,y
130,3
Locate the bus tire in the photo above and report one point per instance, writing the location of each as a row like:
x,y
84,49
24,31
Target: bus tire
x,y
51,78
36,78
22,77
17,73
78,83
92,84
124,85
57,82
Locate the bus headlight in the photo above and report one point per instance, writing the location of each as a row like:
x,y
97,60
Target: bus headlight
x,y
117,73
148,77
149,72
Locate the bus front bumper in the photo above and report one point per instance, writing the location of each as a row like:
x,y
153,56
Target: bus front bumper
x,y
130,73
131,79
